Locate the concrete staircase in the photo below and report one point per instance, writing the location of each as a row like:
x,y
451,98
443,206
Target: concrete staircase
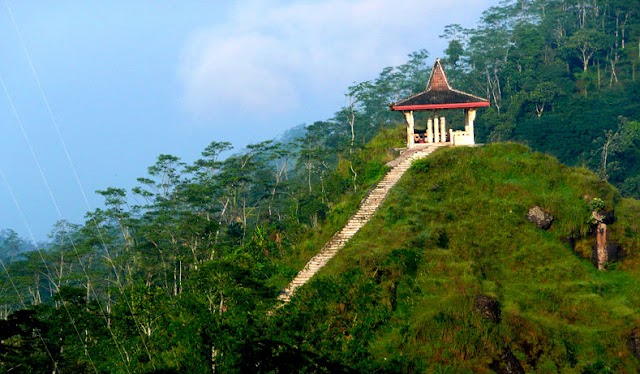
x,y
366,210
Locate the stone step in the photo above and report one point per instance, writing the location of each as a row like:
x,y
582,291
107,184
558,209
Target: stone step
x,y
325,259
349,232
319,262
315,266
327,256
350,222
353,228
341,238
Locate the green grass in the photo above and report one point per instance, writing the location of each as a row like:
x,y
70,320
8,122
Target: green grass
x,y
455,227
370,162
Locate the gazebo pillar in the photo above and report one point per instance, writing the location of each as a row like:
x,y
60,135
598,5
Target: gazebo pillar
x,y
470,116
436,130
443,130
430,130
408,117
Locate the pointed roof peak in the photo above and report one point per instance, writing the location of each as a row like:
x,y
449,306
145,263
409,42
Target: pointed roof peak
x,y
438,79
439,95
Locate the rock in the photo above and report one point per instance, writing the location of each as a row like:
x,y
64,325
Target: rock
x,y
604,251
601,258
616,252
507,364
570,240
604,216
488,307
539,218
601,252
633,342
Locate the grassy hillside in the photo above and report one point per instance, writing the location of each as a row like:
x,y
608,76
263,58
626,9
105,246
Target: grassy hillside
x,y
449,276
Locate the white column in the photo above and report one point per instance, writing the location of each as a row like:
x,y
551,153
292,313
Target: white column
x,y
466,120
470,116
430,131
443,130
408,117
436,130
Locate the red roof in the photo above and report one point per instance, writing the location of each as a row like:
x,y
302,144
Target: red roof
x,y
439,95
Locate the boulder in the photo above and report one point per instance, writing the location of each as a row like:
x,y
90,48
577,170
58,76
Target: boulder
x,y
539,218
507,363
488,307
633,342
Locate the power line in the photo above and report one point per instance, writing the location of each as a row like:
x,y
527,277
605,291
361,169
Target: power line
x,y
54,122
46,183
77,179
13,284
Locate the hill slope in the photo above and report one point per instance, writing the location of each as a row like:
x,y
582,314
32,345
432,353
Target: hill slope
x,y
449,276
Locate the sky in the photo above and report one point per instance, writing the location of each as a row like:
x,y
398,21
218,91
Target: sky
x,y
93,91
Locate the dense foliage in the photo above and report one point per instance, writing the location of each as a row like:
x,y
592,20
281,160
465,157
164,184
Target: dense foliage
x,y
181,273
562,77
405,294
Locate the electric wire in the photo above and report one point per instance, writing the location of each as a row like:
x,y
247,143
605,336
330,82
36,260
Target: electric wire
x,y
49,273
36,77
37,332
4,267
35,159
46,183
77,179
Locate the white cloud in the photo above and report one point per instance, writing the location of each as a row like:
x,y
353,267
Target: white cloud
x,y
229,72
270,53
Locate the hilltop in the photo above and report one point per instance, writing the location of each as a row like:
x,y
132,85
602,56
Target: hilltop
x,y
450,276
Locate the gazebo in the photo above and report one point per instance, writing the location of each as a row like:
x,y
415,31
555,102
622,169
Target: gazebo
x,y
438,96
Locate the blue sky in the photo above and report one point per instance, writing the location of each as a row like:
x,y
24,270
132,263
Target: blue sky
x,y
116,83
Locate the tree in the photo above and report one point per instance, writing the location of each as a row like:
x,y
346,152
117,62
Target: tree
x,y
609,140
11,245
586,42
543,96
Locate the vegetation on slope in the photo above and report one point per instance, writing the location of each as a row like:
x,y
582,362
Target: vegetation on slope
x,y
179,273
402,296
183,281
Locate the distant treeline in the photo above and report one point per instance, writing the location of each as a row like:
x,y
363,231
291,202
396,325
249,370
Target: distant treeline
x,y
12,246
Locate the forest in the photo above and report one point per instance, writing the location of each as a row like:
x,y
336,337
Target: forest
x,y
182,272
